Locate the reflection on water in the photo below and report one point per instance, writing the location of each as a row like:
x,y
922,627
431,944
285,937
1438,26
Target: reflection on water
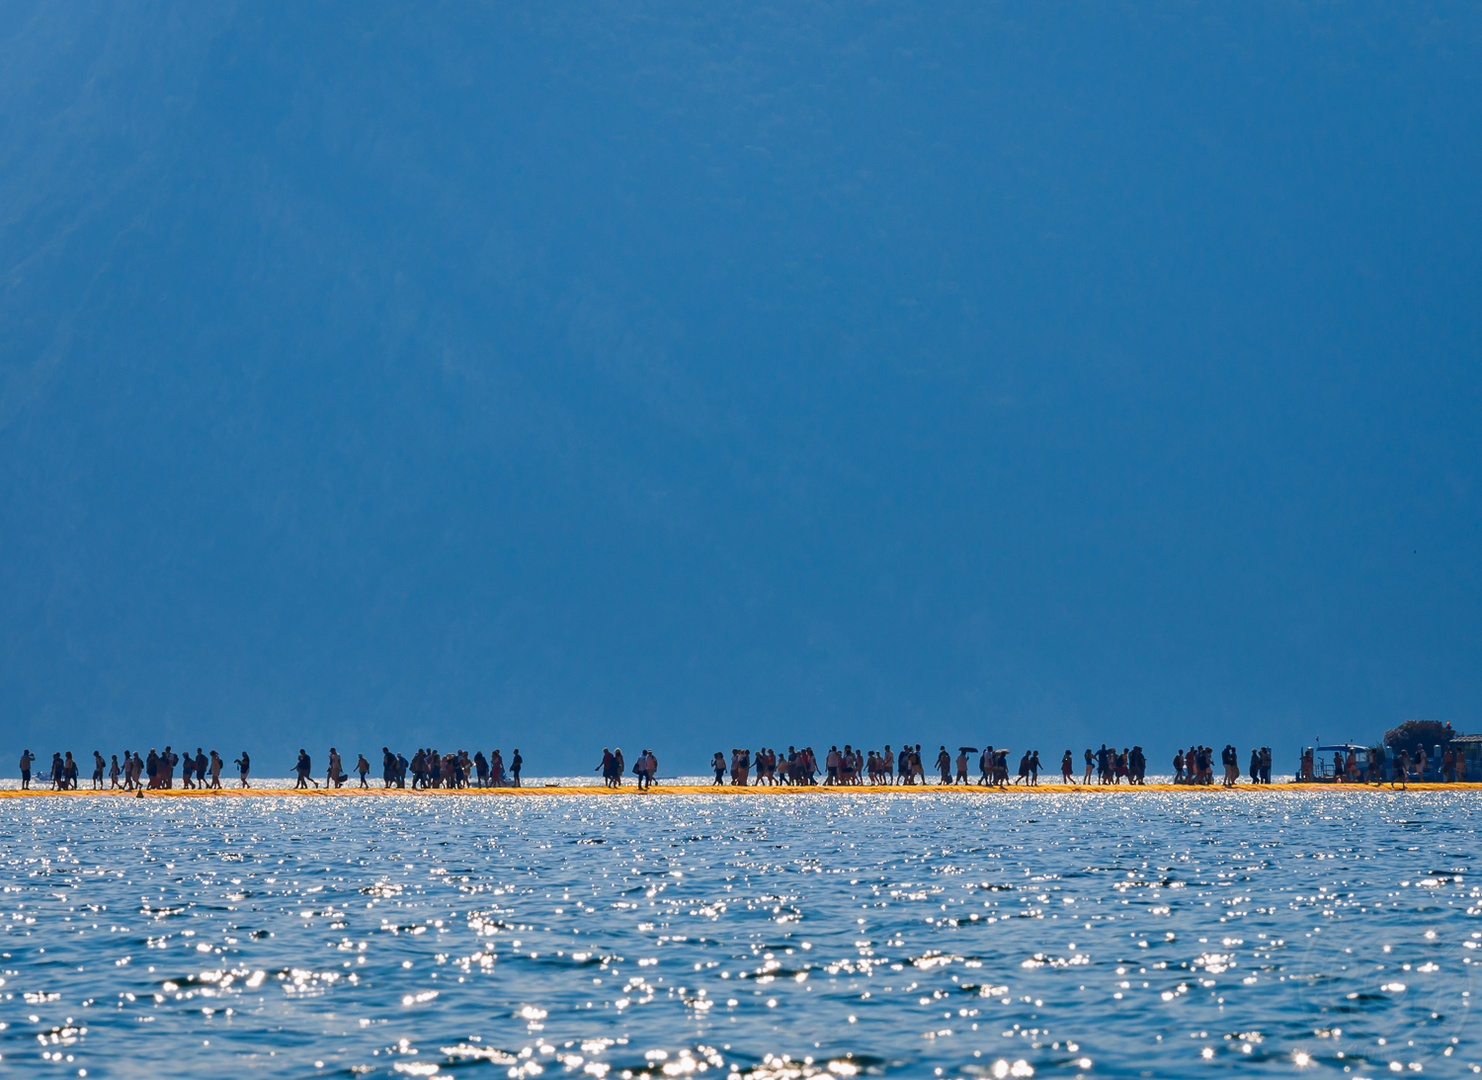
x,y
910,935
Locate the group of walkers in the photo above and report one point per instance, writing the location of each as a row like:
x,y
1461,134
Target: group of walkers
x,y
799,767
430,769
198,771
202,771
1196,766
1108,766
852,766
645,768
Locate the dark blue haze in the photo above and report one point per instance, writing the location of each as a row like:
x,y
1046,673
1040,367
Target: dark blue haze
x,y
698,374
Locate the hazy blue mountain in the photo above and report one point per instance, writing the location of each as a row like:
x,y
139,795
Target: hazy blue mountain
x,y
693,375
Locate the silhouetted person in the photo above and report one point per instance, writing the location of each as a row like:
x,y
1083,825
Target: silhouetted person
x,y
303,767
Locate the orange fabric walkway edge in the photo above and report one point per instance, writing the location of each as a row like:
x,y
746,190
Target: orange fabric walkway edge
x,y
705,789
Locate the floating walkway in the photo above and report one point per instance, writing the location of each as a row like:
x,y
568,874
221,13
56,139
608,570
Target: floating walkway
x,y
728,791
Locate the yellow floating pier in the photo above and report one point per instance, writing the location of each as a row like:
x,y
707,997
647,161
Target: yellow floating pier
x,y
728,790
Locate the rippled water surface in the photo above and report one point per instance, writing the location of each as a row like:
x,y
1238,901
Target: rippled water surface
x,y
903,935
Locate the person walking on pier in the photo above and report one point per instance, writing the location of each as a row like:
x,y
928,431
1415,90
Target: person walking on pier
x,y
304,768
1402,770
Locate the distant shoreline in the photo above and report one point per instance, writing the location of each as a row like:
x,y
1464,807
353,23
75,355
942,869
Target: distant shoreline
x,y
728,790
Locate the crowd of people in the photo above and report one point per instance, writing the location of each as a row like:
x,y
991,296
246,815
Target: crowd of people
x,y
853,766
1379,765
202,771
429,769
198,771
1196,765
766,767
646,768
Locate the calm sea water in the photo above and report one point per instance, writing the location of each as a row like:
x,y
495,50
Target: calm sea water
x,y
902,935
